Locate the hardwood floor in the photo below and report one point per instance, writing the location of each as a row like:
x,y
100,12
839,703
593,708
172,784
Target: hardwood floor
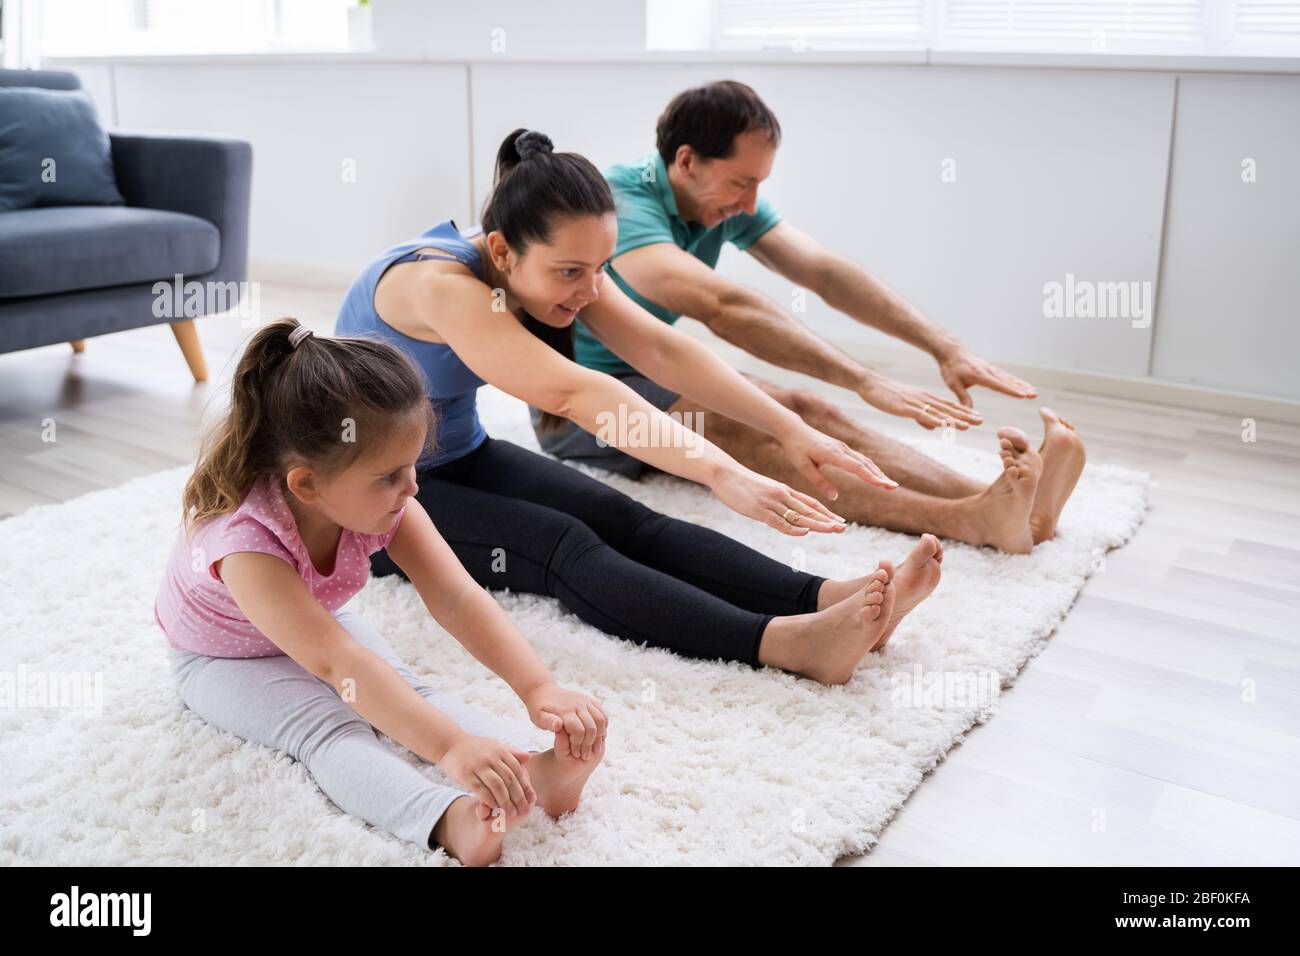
x,y
1160,726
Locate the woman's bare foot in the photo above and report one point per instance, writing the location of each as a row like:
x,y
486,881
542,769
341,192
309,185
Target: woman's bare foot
x,y
833,592
913,581
559,777
827,645
1000,514
1063,458
469,832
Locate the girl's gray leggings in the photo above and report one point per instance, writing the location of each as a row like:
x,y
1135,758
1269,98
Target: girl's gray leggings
x,y
277,702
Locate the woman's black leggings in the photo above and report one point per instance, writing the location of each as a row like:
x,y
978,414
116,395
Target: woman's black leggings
x,y
519,520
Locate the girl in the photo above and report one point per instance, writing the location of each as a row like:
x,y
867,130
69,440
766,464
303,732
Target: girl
x,y
497,305
310,472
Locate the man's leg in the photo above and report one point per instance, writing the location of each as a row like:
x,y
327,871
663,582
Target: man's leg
x,y
907,466
996,515
1062,453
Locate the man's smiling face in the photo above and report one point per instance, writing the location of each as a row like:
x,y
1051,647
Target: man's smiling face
x,y
710,191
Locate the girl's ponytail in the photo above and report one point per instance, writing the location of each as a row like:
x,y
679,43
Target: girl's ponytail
x,y
292,403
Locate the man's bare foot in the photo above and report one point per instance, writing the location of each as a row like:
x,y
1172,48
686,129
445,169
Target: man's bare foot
x,y
559,777
469,832
827,645
1063,458
913,581
999,515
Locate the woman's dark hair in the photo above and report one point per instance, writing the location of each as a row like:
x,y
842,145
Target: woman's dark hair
x,y
709,118
533,187
324,403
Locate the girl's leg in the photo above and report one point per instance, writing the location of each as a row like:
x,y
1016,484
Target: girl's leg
x,y
276,702
557,778
471,720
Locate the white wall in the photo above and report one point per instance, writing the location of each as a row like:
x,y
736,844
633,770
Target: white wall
x,y
402,125
1055,177
1058,171
1229,312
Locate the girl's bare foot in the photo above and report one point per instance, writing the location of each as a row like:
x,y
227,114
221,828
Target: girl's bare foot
x,y
469,832
913,581
559,777
1000,514
1063,458
827,645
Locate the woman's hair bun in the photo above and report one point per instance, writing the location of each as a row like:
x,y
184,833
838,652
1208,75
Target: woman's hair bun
x,y
531,142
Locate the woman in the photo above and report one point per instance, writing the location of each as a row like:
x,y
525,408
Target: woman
x,y
497,305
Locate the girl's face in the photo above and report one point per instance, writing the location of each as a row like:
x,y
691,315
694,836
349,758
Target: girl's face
x,y
366,496
555,281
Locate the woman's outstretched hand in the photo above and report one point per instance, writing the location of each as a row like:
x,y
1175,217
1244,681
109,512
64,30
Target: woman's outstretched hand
x,y
810,451
776,505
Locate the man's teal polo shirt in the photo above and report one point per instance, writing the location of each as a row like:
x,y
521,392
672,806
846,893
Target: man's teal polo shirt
x,y
647,214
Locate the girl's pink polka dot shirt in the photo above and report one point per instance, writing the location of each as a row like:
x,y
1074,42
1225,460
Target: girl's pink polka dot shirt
x,y
194,607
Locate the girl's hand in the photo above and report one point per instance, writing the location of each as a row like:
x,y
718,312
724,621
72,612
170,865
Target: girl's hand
x,y
810,451
776,505
570,713
494,772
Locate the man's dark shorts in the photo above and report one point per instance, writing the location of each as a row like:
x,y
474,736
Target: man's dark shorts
x,y
572,443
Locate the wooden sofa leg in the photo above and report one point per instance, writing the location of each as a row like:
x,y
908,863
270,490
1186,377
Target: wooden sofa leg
x,y
187,337
78,345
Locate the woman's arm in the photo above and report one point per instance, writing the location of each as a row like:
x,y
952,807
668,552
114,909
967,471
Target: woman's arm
x,y
499,350
674,359
470,615
276,601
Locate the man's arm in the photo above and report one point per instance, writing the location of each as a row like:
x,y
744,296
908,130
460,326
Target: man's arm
x,y
846,287
675,279
674,359
679,282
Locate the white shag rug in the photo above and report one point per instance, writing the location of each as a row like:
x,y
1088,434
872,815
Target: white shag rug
x,y
707,763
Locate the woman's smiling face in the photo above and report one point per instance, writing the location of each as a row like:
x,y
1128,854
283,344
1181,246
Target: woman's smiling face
x,y
556,280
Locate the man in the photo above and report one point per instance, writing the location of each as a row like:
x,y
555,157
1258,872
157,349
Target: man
x,y
677,207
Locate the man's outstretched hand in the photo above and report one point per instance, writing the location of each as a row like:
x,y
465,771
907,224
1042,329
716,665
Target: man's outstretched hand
x,y
963,370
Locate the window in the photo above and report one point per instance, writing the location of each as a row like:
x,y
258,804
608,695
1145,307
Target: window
x,y
1131,26
836,24
123,27
1100,25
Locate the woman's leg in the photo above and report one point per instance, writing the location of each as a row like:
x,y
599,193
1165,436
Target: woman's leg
x,y
276,702
708,559
507,540
510,542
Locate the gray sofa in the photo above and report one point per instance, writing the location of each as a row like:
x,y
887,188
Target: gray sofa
x,y
69,273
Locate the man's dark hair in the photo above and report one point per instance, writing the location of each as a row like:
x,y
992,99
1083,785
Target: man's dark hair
x,y
709,118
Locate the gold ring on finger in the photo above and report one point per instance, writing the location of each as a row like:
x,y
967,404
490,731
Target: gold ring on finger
x,y
788,513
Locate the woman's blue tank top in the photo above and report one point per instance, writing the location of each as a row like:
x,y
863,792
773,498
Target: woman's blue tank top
x,y
449,383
